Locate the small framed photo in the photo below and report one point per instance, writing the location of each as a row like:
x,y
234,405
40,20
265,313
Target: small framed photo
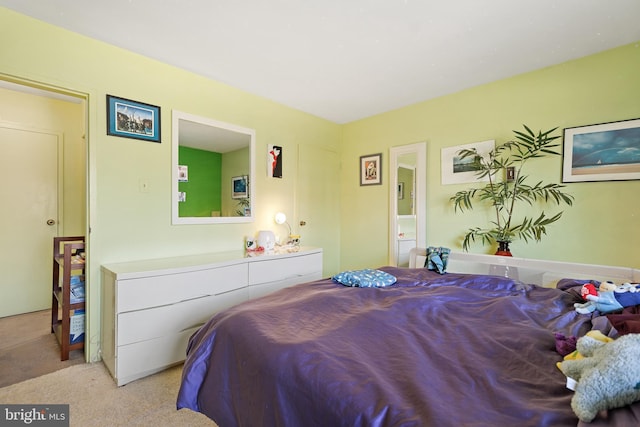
x,y
602,152
183,173
371,169
274,161
133,119
456,170
239,187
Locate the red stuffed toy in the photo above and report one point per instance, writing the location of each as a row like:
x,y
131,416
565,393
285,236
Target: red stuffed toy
x,y
588,289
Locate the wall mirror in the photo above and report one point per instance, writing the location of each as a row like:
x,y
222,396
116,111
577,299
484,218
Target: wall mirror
x,y
213,171
407,207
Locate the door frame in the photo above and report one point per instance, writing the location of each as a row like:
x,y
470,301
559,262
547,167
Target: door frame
x,y
420,149
59,92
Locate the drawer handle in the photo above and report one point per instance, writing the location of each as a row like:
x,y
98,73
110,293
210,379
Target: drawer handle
x,y
191,299
197,325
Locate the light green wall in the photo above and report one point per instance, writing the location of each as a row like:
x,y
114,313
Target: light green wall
x,y
234,164
405,205
127,224
602,227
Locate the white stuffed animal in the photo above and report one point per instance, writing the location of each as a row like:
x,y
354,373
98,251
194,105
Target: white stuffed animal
x,y
608,376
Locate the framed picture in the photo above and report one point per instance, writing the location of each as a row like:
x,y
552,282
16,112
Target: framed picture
x,y
371,169
132,119
602,152
239,187
459,171
274,161
183,173
400,190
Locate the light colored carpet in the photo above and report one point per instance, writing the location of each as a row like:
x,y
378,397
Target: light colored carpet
x,y
28,349
95,400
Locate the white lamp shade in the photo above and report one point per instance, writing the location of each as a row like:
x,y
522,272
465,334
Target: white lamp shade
x,y
280,218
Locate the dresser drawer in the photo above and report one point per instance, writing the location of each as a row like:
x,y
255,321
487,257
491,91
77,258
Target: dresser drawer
x,y
144,358
261,289
145,292
141,325
292,269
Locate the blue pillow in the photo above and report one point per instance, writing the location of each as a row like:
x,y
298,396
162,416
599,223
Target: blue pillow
x,y
367,278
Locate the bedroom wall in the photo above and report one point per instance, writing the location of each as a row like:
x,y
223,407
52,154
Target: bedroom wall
x,y
127,224
602,227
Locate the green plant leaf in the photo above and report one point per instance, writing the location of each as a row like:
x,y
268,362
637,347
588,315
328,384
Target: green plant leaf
x,y
504,198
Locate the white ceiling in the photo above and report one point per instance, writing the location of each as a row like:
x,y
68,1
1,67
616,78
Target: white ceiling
x,y
344,60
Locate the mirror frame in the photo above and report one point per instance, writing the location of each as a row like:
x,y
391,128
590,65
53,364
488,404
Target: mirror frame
x,y
420,149
175,143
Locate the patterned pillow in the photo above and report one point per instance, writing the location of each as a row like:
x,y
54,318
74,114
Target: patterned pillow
x,y
367,278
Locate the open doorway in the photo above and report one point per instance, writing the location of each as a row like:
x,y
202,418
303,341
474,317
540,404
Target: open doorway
x,y
44,193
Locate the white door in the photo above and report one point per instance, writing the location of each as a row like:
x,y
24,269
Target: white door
x,y
29,194
318,204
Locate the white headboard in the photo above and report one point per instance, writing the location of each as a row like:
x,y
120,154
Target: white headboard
x,y
532,271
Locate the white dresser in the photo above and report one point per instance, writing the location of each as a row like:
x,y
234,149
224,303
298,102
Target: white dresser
x,y
150,308
404,246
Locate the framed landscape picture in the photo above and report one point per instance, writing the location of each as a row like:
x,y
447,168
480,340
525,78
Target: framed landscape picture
x,y
602,152
456,170
239,187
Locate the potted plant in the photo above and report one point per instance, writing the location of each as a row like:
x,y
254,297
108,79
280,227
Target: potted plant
x,y
242,206
507,188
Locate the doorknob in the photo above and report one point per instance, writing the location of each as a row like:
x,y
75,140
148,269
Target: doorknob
x,y
51,221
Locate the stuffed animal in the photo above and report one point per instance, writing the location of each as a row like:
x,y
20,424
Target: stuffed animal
x,y
607,301
566,346
608,375
607,286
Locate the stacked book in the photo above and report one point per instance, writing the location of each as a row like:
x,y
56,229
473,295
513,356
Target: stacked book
x,y
77,289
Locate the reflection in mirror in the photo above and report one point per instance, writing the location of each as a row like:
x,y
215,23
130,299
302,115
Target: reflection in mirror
x,y
213,164
407,213
406,184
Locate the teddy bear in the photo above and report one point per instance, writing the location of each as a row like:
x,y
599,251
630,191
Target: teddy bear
x,y
608,374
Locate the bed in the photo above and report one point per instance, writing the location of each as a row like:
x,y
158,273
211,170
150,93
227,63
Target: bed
x,y
458,349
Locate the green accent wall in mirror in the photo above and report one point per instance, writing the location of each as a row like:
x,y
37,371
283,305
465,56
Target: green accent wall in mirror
x,y
206,155
203,182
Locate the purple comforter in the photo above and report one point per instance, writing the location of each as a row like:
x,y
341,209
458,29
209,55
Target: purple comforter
x,y
431,350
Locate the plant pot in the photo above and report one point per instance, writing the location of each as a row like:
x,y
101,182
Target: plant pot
x,y
503,249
